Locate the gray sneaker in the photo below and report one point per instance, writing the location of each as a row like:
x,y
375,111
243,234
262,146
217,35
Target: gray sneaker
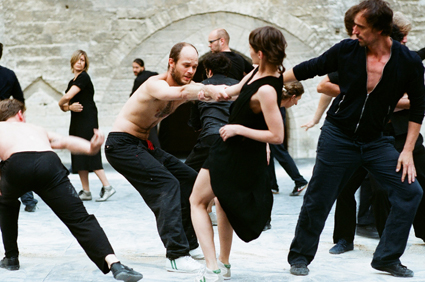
x,y
105,193
299,269
125,273
84,195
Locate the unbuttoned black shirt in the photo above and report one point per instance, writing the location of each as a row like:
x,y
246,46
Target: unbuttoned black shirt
x,y
361,115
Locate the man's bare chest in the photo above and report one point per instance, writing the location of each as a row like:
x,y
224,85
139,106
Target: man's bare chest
x,y
374,74
165,108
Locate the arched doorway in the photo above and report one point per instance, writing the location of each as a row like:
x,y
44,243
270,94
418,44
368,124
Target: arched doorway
x,y
179,139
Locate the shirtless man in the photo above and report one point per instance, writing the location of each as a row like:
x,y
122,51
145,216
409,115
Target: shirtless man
x,y
352,134
164,182
29,161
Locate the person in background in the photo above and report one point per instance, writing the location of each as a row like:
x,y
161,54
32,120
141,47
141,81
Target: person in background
x,y
293,91
78,99
10,87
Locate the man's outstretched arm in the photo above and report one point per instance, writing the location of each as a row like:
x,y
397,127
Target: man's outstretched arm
x,y
77,145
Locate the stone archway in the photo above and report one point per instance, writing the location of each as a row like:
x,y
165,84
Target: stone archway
x,y
194,29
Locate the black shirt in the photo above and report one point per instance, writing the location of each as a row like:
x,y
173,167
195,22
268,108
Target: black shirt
x,y
240,66
141,77
355,112
9,85
210,117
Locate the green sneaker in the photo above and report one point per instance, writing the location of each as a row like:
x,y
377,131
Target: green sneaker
x,y
225,270
209,275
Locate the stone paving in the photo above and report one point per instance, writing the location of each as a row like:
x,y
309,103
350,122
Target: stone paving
x,y
48,252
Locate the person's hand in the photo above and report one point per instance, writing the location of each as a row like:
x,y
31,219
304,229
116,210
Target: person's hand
x,y
214,92
76,107
405,160
309,124
228,131
96,141
202,97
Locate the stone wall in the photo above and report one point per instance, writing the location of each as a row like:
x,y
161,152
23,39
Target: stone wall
x,y
40,36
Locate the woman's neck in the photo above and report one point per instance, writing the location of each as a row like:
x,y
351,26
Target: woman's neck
x,y
77,74
266,69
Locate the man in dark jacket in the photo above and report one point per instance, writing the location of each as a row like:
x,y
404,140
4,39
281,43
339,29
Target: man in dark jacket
x,y
374,73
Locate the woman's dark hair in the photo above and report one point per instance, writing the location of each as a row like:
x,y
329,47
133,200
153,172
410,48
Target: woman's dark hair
x,y
350,14
378,15
396,34
292,88
218,63
271,42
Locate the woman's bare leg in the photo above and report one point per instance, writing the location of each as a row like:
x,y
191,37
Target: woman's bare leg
x,y
201,196
225,233
102,177
84,177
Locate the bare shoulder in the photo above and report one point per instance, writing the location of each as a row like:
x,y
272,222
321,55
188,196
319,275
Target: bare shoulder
x,y
266,92
152,86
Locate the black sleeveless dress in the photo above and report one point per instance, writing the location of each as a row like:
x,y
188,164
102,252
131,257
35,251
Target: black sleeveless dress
x,y
82,123
238,166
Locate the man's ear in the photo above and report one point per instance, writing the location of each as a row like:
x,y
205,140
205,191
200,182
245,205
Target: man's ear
x,y
21,116
171,62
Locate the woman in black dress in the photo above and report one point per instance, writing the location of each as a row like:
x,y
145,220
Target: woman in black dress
x,y
78,99
235,171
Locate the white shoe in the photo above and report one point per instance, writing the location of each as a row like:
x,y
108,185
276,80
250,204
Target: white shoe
x,y
197,253
225,270
105,193
183,264
209,275
213,218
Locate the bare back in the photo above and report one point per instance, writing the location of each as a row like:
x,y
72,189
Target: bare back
x,y
143,110
22,137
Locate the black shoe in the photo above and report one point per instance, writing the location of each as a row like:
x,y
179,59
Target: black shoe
x,y
298,189
11,263
368,231
31,208
275,190
124,273
299,269
397,270
341,247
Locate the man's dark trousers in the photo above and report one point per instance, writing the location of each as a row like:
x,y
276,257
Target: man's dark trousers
x,y
44,173
338,156
164,182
